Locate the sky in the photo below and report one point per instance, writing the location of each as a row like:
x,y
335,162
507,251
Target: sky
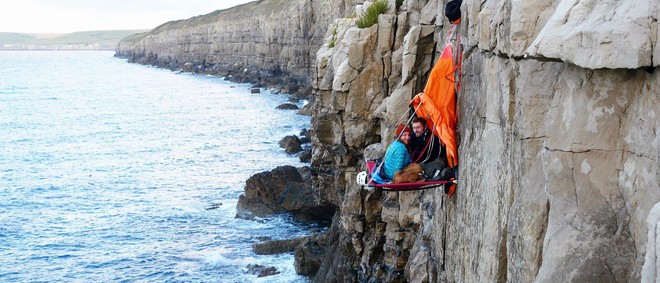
x,y
64,16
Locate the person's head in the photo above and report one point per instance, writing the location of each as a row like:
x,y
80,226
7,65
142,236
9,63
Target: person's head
x,y
418,126
403,133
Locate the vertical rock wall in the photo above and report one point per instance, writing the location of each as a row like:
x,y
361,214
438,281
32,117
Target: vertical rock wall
x,y
558,131
558,151
270,35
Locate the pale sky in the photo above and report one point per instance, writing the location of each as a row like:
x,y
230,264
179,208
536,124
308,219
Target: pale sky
x,y
64,16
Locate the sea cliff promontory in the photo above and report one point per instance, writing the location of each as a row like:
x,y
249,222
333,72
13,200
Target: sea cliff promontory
x,y
559,179
270,42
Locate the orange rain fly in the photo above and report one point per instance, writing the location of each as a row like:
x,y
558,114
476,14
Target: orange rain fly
x,y
438,102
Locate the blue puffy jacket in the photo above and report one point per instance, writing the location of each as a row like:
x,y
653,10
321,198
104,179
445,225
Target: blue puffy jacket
x,y
396,158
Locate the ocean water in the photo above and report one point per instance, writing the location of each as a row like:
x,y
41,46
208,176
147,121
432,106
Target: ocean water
x,y
117,172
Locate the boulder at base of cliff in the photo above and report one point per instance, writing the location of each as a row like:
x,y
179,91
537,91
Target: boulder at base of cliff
x,y
278,246
248,208
300,199
305,110
305,136
264,190
261,270
309,254
282,190
306,155
287,106
290,144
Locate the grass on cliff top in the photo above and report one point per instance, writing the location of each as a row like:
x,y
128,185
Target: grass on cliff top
x,y
134,37
370,16
251,9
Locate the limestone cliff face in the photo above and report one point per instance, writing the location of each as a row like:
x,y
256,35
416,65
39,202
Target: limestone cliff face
x,y
270,35
558,159
558,154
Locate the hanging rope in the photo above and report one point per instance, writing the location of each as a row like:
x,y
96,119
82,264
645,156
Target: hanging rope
x,y
430,143
380,164
454,36
424,150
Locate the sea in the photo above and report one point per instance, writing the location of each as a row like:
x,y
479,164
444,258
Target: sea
x,y
119,172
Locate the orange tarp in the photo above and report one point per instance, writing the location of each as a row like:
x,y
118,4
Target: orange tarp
x,y
438,103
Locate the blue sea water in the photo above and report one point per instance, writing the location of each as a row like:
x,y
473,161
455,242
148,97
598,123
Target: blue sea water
x,y
117,172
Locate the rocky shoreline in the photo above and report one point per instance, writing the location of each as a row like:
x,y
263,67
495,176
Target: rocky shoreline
x,y
557,124
288,189
285,189
277,81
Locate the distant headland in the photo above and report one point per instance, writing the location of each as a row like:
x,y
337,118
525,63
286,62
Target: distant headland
x,y
82,40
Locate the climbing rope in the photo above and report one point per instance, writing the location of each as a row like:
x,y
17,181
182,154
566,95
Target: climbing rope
x,y
380,164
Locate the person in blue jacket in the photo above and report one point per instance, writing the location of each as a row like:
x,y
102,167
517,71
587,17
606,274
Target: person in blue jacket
x,y
396,156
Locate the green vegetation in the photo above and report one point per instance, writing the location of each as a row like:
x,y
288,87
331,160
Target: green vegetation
x,y
334,38
370,17
255,9
133,38
100,39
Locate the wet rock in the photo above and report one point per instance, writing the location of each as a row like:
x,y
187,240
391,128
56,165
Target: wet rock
x,y
283,190
292,87
213,206
310,253
306,174
263,191
305,110
309,257
305,136
305,133
278,246
302,200
290,144
255,90
304,93
261,270
306,155
287,106
248,209
298,196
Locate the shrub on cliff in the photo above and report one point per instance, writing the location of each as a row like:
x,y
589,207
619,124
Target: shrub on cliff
x,y
334,38
370,16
